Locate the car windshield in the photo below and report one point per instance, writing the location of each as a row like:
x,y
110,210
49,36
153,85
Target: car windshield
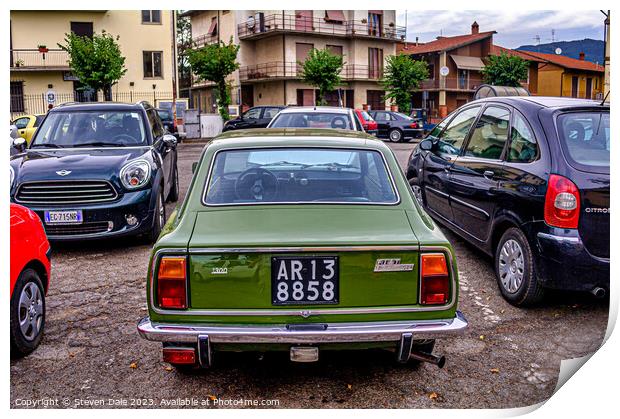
x,y
585,138
91,128
299,175
312,120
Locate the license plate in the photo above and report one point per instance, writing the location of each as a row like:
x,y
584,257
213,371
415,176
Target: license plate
x,y
304,280
63,217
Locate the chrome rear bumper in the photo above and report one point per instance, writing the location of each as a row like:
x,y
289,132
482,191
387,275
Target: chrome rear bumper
x,y
312,333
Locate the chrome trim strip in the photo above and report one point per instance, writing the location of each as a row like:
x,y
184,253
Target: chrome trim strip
x,y
333,333
305,312
209,250
467,204
438,192
245,204
71,183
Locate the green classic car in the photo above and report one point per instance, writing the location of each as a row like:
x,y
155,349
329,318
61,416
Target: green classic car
x,y
300,240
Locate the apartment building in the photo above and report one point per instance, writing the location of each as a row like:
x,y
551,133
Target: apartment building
x,y
146,42
273,42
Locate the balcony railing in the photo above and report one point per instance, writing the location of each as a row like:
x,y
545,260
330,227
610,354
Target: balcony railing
x,y
277,23
278,70
32,59
464,84
203,40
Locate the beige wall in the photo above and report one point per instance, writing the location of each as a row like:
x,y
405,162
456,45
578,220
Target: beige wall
x,y
31,28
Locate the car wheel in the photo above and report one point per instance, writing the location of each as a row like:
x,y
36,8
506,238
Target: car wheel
x,y
515,270
395,135
159,217
27,313
417,192
173,195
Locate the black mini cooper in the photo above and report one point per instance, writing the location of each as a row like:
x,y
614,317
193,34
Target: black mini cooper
x,y
96,170
525,179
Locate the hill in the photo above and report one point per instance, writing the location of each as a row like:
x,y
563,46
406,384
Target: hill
x,y
593,48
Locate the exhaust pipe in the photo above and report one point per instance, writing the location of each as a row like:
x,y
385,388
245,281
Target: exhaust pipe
x,y
598,292
440,361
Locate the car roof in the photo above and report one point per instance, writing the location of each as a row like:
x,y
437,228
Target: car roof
x,y
296,137
543,101
96,106
315,109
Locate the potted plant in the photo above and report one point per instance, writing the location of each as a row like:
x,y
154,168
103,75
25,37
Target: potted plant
x,y
364,20
42,48
19,63
391,24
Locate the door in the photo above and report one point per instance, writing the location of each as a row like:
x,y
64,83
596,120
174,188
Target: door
x,y
305,97
575,86
474,176
589,88
247,96
375,99
303,20
383,120
375,63
166,151
438,163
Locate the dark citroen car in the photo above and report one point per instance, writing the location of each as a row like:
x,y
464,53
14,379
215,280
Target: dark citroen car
x,y
97,170
256,117
396,126
525,179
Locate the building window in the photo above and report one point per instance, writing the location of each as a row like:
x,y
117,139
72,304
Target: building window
x,y
431,71
151,16
152,64
17,96
335,49
375,99
375,63
213,28
82,28
375,22
334,16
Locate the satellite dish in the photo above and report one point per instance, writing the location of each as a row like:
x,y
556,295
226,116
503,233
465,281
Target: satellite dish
x,y
558,51
250,23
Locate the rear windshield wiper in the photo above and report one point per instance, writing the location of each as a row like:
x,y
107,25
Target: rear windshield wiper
x,y
99,144
283,163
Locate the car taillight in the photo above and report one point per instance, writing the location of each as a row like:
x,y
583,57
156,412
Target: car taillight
x,y
414,125
171,282
562,203
185,356
435,279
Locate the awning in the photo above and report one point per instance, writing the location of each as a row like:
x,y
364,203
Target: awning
x,y
213,28
335,15
467,63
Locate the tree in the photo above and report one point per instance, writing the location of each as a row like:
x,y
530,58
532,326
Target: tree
x,y
214,63
184,42
402,75
505,70
322,70
97,62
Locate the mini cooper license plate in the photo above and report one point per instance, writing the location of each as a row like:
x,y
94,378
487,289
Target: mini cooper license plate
x,y
304,280
63,217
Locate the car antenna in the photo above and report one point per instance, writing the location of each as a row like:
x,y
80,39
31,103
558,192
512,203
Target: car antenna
x,y
605,98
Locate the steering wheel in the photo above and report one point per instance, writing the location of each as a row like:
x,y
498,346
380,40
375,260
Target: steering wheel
x,y
131,140
256,184
339,123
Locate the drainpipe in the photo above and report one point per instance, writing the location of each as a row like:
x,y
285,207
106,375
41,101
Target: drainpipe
x,y
284,60
175,74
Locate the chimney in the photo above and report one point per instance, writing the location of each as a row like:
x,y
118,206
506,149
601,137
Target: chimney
x,y
582,56
416,40
475,28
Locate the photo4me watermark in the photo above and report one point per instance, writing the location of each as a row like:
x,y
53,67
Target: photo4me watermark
x,y
211,401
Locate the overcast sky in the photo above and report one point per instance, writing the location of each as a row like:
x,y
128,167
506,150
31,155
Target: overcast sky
x,y
514,28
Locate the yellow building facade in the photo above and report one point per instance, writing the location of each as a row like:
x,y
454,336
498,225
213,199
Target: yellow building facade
x,y
145,39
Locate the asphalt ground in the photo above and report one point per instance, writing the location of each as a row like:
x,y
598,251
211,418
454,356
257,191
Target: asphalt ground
x,y
91,355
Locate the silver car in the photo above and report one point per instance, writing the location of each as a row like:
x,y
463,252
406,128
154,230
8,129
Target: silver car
x,y
316,117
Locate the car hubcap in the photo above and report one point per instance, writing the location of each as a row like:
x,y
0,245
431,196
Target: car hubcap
x,y
511,266
395,136
162,214
417,192
30,311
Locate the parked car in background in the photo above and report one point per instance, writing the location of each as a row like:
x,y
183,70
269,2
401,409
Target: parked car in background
x,y
256,117
30,277
396,126
27,125
96,170
167,119
317,117
369,124
300,240
525,179
13,135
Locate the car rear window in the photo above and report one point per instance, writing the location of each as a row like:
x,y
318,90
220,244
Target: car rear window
x,y
299,176
585,139
312,120
165,115
365,116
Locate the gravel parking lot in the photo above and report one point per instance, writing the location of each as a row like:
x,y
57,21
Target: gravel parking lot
x,y
91,354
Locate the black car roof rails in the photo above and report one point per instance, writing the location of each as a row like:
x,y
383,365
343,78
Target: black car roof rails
x,y
145,104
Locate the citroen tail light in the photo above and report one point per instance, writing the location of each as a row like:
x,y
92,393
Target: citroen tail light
x,y
562,203
172,282
435,279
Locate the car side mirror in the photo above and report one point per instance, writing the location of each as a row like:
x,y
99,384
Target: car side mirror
x,y
427,145
194,166
13,131
170,140
19,143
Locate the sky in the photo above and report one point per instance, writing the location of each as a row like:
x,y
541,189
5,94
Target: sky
x,y
514,28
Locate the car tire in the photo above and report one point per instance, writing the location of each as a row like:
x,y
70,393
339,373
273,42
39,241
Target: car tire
x,y
159,217
27,307
395,135
173,195
515,270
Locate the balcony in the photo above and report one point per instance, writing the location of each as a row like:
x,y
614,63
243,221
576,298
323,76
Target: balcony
x,y
280,70
278,23
33,60
452,84
203,40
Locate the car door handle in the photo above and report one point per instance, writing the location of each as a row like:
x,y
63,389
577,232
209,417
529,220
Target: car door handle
x,y
488,174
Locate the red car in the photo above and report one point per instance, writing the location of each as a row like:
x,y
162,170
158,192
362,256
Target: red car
x,y
369,124
30,276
